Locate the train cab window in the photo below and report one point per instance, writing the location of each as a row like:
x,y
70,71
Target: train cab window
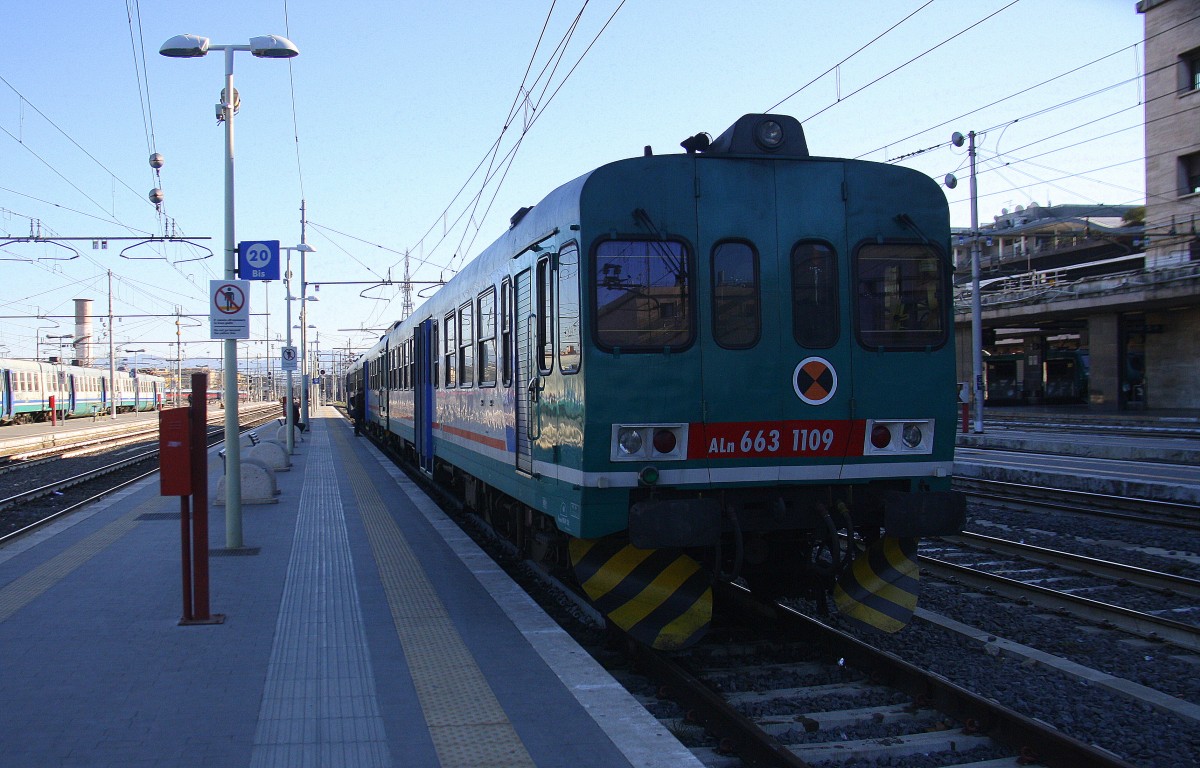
x,y
506,326
735,301
545,317
643,295
568,309
487,338
901,296
450,350
814,295
466,345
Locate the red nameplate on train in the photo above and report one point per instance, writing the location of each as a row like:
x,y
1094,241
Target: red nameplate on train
x,y
775,439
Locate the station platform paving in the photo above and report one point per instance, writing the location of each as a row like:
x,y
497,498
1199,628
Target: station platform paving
x,y
362,628
1143,454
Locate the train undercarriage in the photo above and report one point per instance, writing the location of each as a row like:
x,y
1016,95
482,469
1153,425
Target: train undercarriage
x,y
856,543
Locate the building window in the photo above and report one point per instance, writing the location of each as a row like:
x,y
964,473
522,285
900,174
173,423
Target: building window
x,y
1189,71
1189,174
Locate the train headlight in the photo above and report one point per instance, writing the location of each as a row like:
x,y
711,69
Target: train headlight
x,y
629,441
769,134
912,436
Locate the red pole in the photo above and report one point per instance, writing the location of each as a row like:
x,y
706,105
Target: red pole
x,y
185,525
53,412
199,412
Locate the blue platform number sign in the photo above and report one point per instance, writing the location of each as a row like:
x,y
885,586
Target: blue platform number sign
x,y
258,260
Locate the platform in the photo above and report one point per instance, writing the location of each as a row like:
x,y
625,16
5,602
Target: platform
x,y
1150,455
362,628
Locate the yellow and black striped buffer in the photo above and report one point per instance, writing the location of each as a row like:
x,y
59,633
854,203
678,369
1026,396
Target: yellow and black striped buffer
x,y
881,587
660,597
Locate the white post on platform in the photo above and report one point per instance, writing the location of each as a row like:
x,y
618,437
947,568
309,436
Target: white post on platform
x,y
303,248
268,47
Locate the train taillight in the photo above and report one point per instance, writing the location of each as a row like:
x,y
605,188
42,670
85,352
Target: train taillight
x,y
644,442
898,437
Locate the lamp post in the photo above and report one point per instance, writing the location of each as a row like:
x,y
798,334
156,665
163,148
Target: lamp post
x,y
976,305
269,47
304,326
304,249
56,341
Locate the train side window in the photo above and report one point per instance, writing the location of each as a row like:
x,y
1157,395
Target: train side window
x,y
737,317
568,309
450,350
902,296
432,352
506,326
466,345
545,319
487,338
814,295
412,362
643,295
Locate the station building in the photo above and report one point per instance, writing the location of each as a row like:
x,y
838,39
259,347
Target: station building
x,y
1100,305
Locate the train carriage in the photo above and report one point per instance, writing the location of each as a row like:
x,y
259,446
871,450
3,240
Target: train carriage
x,y
27,386
731,362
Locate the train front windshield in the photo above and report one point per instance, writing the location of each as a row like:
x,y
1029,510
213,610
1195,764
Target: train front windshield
x,y
643,295
901,296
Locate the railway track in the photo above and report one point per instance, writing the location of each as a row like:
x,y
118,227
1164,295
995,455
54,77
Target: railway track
x,y
1092,589
215,435
810,694
799,692
1025,496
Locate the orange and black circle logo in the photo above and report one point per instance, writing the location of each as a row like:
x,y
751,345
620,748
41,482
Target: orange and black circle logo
x,y
814,380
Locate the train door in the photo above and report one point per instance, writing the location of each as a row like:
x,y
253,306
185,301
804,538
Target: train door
x,y
899,288
423,411
524,371
768,267
7,404
72,386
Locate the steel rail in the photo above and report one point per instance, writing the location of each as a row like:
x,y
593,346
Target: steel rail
x,y
1023,735
1192,524
1143,624
1143,577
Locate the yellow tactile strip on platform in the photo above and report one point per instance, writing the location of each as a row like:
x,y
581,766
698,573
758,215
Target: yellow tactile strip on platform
x,y
468,726
25,589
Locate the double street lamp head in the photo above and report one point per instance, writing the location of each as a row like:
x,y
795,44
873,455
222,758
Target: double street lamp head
x,y
263,46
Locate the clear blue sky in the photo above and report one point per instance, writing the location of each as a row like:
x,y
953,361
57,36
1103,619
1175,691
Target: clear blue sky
x,y
391,107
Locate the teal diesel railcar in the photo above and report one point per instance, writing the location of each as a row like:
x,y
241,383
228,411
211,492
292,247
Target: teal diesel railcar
x,y
733,363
